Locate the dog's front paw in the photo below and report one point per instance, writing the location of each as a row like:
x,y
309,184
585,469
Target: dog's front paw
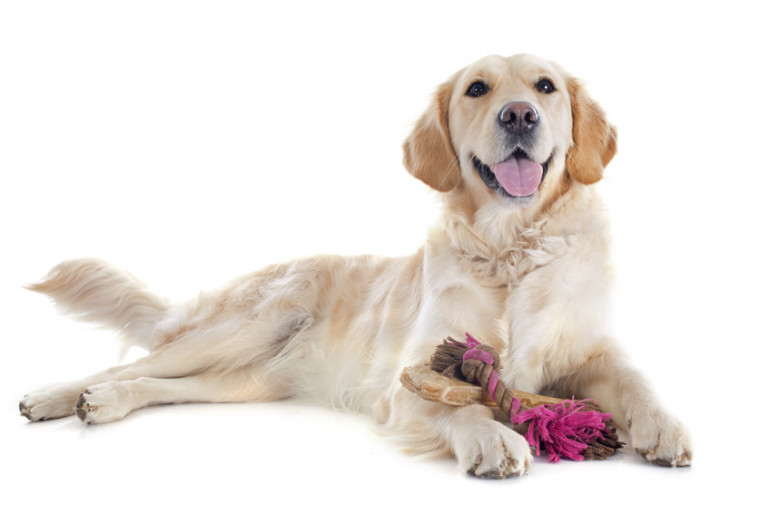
x,y
493,450
49,403
661,439
102,403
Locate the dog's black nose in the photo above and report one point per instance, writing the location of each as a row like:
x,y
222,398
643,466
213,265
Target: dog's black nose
x,y
519,117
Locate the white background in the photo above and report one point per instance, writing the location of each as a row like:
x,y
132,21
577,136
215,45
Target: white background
x,y
191,141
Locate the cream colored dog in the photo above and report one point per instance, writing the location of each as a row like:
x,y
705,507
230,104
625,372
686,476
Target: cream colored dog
x,y
519,260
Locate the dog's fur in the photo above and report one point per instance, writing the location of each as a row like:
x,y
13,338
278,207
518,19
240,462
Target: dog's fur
x,y
525,275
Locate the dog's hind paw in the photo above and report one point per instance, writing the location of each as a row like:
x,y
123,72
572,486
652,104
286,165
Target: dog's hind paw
x,y
49,403
102,403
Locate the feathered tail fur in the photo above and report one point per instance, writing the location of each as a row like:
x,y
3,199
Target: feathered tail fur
x,y
94,291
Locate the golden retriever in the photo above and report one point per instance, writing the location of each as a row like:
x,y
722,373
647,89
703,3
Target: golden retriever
x,y
519,259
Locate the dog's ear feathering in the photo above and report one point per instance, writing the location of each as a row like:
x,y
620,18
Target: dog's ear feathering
x,y
594,138
428,151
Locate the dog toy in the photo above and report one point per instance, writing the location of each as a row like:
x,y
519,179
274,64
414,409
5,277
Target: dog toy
x,y
571,429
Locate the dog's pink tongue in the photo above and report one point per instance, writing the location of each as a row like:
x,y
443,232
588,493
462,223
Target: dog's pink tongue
x,y
519,177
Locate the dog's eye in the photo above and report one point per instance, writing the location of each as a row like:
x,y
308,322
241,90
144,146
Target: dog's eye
x,y
545,86
477,89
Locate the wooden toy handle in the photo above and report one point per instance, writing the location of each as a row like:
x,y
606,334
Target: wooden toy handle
x,y
434,386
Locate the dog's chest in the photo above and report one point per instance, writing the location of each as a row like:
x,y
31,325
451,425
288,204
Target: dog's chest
x,y
476,291
514,265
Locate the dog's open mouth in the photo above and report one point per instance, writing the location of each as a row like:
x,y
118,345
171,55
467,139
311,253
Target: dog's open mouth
x,y
517,176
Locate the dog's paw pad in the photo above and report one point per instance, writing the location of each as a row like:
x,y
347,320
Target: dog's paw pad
x,y
82,408
102,403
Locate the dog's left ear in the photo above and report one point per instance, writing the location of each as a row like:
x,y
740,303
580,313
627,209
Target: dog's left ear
x,y
428,151
594,138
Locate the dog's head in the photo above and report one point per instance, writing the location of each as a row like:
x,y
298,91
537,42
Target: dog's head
x,y
516,130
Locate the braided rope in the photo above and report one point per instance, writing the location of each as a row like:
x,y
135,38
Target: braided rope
x,y
570,429
480,366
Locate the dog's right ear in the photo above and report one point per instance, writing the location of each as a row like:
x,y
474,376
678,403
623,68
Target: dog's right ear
x,y
428,151
594,138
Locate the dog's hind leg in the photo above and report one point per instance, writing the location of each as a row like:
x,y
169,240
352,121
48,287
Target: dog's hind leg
x,y
59,400
212,338
113,400
172,361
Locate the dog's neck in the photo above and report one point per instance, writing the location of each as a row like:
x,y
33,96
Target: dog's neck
x,y
493,238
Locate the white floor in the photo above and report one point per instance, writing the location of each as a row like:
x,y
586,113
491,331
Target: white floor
x,y
299,457
191,141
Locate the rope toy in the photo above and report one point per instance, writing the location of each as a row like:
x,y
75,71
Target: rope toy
x,y
575,430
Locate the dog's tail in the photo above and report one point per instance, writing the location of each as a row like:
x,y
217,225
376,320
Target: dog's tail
x,y
94,291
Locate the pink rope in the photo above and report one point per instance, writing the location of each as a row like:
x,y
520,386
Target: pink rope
x,y
494,379
562,429
479,354
470,341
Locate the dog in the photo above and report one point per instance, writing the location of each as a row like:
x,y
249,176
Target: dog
x,y
519,259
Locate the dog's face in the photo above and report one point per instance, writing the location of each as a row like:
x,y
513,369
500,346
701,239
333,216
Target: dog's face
x,y
516,131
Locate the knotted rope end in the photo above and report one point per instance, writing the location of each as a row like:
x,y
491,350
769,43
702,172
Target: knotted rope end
x,y
575,430
570,429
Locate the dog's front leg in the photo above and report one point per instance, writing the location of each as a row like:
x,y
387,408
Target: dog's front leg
x,y
483,447
624,392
